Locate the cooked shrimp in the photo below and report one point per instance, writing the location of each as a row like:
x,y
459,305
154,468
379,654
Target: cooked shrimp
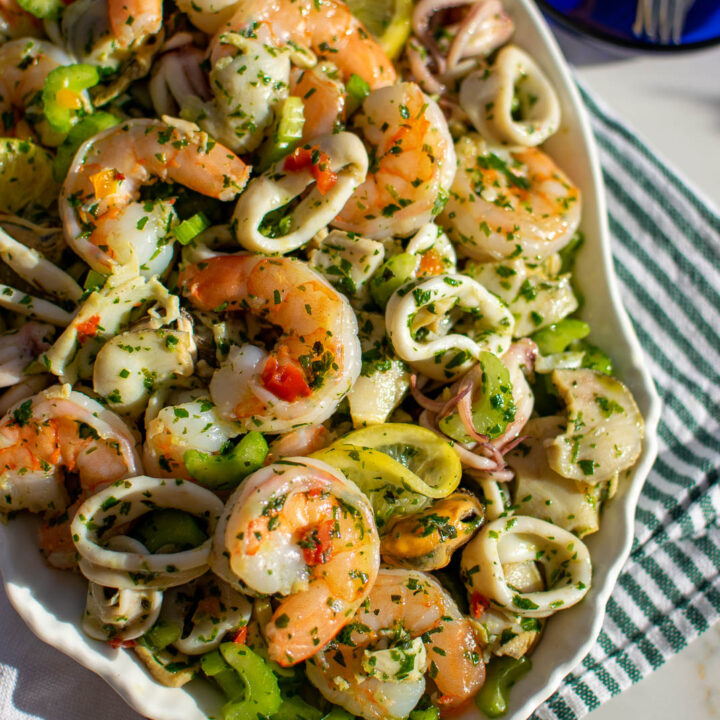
x,y
323,96
104,220
25,65
300,529
303,442
509,202
313,364
60,429
413,167
18,348
403,607
132,21
327,28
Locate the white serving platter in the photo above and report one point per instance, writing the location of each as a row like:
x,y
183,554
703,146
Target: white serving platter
x,y
51,602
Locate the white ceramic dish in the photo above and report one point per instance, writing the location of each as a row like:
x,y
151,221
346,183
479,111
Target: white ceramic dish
x,y
51,602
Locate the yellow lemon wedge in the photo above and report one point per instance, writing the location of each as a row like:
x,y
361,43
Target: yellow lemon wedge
x,y
387,484
387,20
25,175
426,456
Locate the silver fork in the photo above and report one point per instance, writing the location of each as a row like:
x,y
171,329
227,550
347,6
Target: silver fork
x,y
661,19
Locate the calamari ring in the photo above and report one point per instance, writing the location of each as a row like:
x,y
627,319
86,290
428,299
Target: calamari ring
x,y
127,500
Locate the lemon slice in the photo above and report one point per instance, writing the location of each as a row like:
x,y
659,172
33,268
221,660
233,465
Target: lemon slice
x,y
432,460
387,20
390,487
25,175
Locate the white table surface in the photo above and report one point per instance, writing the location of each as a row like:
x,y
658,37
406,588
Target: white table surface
x,y
674,105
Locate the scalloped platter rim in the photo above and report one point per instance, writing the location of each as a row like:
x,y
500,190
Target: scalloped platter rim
x,y
51,602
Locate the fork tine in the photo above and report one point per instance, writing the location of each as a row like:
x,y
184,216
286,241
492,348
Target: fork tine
x,y
639,18
681,10
651,18
666,19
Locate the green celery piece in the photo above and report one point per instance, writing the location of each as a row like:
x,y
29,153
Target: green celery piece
x,y
262,694
568,254
43,9
391,276
357,90
556,338
231,684
295,708
213,663
431,713
189,229
168,527
292,121
226,471
286,134
338,714
595,358
568,257
94,280
501,674
162,634
78,77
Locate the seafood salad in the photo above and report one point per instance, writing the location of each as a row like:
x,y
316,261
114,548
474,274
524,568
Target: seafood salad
x,y
292,361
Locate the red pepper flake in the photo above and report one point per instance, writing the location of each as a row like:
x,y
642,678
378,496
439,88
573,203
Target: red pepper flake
x,y
431,263
319,164
241,636
286,381
478,604
88,329
316,544
118,643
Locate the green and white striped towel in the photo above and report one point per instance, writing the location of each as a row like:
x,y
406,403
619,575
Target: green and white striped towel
x,y
666,246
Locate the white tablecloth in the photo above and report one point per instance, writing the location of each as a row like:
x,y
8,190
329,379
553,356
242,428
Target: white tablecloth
x,y
37,681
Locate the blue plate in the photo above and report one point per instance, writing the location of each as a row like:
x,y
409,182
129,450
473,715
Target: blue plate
x,y
613,21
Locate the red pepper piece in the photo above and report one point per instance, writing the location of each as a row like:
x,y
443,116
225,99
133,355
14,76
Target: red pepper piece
x,y
478,604
317,544
319,164
88,329
286,381
431,263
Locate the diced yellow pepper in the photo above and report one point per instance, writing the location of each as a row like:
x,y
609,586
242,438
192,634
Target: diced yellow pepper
x,y
67,98
105,183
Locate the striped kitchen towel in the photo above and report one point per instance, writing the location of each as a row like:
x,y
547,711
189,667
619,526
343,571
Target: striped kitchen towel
x,y
666,245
